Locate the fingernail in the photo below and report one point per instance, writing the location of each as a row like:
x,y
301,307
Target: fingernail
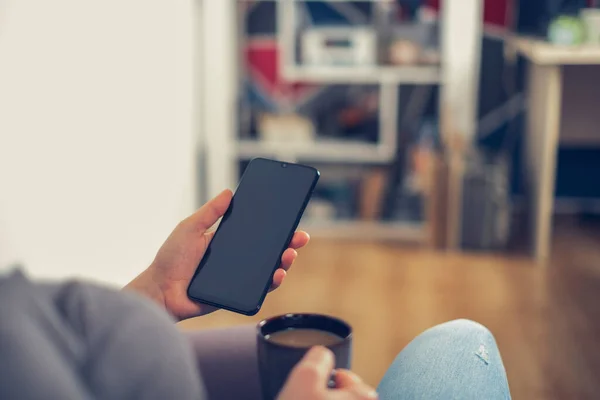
x,y
319,353
369,393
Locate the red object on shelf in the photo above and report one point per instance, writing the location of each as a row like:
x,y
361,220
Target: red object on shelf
x,y
496,12
263,67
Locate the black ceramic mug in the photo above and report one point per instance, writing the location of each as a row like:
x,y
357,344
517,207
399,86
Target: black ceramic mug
x,y
276,360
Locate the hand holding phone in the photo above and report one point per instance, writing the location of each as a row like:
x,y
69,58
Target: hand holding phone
x,y
166,280
236,271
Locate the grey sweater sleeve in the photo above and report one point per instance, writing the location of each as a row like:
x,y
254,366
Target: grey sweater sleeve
x,y
81,341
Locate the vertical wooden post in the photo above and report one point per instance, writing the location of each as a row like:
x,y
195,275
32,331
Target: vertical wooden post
x,y
461,35
541,144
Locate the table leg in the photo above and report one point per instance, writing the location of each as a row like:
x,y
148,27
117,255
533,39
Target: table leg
x,y
541,147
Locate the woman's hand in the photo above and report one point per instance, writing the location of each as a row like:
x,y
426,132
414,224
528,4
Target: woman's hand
x,y
167,279
308,380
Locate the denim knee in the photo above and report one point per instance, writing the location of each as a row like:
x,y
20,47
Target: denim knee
x,y
455,360
464,324
463,327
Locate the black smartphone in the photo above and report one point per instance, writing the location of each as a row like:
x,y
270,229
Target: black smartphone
x,y
237,268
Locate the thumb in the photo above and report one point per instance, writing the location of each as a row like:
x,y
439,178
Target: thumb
x,y
210,212
310,375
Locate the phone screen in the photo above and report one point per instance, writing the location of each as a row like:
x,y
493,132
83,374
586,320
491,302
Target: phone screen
x,y
238,265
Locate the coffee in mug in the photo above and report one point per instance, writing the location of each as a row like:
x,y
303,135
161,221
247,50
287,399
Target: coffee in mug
x,y
300,337
283,341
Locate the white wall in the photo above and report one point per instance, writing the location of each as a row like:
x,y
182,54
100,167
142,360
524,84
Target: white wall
x,y
97,133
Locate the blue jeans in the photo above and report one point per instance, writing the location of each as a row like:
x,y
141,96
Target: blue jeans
x,y
455,360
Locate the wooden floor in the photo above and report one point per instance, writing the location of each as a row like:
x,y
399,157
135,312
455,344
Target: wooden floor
x,y
546,320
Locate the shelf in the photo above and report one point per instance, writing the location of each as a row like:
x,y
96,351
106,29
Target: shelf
x,y
418,74
321,150
366,230
545,53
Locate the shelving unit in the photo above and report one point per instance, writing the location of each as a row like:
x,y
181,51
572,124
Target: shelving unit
x,y
457,76
317,151
424,74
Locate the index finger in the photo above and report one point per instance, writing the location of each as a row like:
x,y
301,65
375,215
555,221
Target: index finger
x,y
349,385
345,379
207,215
300,239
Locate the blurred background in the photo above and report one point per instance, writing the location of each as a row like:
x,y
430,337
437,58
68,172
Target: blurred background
x,y
457,141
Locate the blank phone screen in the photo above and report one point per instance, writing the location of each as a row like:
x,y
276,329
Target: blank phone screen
x,y
247,247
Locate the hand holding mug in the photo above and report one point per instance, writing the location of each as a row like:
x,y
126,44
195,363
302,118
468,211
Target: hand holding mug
x,y
309,378
307,356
